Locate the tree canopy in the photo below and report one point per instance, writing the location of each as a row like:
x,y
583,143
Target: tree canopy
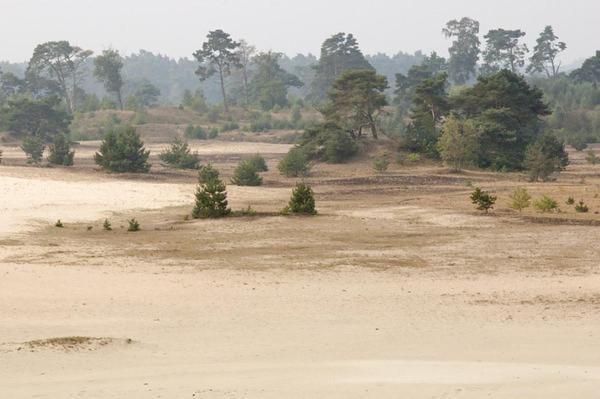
x,y
464,52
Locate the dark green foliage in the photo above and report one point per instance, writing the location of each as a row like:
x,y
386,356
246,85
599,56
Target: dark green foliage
x,y
195,132
302,200
484,200
217,55
356,100
328,142
589,71
545,157
430,105
207,173
123,151
134,225
179,155
578,143
211,200
507,113
107,226
60,151
270,83
24,116
581,207
145,95
295,163
33,147
246,174
259,163
464,51
339,53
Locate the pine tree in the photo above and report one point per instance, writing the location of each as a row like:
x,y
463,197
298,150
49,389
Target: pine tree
x,y
123,151
60,151
211,200
302,201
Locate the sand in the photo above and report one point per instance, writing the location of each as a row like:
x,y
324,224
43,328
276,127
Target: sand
x,y
379,297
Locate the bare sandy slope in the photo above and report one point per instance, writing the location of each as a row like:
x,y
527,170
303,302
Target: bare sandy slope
x,y
369,300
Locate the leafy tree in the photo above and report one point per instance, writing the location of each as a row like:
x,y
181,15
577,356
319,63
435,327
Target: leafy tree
x,y
60,151
356,100
211,199
545,52
107,69
545,157
61,63
589,71
259,163
520,199
123,151
339,53
507,112
24,116
464,52
302,200
179,155
270,82
295,163
33,147
484,200
246,174
10,86
145,95
218,55
430,104
459,142
503,51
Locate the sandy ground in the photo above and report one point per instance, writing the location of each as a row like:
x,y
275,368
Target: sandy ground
x,y
393,291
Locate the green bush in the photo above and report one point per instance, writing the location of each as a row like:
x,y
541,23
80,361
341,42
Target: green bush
x,y
381,164
179,156
213,133
545,157
520,199
484,200
546,204
107,225
33,147
414,157
195,132
259,163
302,200
123,151
60,151
246,175
133,225
207,173
581,207
211,200
295,163
592,158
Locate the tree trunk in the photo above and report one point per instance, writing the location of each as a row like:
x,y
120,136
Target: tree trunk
x,y
120,99
225,106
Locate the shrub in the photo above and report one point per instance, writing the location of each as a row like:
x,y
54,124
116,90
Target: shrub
x,y
213,133
414,157
483,200
546,204
214,114
302,200
246,175
592,158
381,163
229,126
179,156
329,142
211,200
295,163
33,147
581,207
207,173
195,132
123,151
60,151
259,163
545,157
570,201
520,199
59,224
106,225
133,225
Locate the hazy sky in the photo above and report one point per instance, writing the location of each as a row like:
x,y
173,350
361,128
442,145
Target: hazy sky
x,y
178,27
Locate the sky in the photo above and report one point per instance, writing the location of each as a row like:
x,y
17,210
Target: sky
x,y
178,27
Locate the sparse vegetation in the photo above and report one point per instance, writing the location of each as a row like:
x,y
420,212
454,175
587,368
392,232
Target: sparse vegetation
x,y
520,199
179,155
59,224
581,207
107,226
381,163
592,158
546,204
133,225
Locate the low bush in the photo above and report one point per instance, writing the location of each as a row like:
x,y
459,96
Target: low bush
x,y
295,163
60,151
302,200
592,158
484,200
179,156
195,132
581,207
259,163
245,174
381,163
211,200
520,199
546,204
33,147
133,225
107,225
122,151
